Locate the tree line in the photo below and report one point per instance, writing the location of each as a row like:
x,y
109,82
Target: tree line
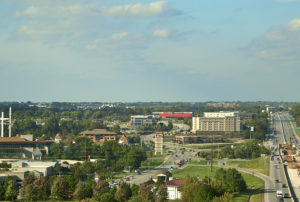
x,y
220,188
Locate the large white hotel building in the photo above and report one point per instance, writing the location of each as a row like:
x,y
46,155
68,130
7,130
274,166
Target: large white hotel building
x,y
217,121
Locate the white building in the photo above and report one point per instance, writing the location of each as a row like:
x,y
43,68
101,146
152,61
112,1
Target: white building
x,y
217,121
221,114
174,189
140,120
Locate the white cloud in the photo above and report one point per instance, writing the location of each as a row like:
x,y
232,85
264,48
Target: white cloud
x,y
119,35
162,33
30,11
25,30
294,25
136,10
113,41
281,43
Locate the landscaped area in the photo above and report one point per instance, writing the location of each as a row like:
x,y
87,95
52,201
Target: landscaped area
x,y
202,171
202,162
261,164
152,162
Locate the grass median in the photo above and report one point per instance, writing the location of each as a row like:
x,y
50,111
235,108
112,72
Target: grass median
x,y
261,164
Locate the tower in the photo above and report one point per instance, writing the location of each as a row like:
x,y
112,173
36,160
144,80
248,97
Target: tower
x,y
158,144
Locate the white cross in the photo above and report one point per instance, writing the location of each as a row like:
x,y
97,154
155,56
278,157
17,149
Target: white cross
x,y
2,123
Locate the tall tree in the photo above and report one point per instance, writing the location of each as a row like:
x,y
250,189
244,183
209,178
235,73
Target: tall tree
x,y
59,189
123,192
12,191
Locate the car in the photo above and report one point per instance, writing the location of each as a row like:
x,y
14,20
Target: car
x,y
286,195
283,185
276,181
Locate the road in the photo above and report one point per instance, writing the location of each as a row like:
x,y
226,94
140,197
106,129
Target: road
x,y
290,137
178,154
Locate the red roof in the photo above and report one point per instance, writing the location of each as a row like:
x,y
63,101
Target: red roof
x,y
166,114
175,183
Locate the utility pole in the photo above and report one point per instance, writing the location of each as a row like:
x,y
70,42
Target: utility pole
x,y
212,154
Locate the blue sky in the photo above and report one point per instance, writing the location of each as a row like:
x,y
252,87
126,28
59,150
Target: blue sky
x,y
160,50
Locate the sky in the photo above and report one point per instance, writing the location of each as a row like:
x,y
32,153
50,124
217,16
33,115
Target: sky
x,y
149,50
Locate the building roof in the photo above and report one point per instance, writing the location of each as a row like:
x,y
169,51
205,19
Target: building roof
x,y
37,152
123,140
57,136
163,172
12,139
175,183
97,132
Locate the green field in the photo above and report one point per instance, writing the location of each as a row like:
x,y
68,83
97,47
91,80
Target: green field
x,y
202,162
152,162
202,171
261,164
257,192
194,171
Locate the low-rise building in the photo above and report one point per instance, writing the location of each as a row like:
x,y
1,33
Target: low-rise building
x,y
22,146
174,189
141,120
123,140
98,134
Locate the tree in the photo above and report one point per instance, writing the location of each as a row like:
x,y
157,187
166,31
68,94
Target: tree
x,y
107,197
190,184
162,193
80,191
226,197
203,193
145,193
43,188
99,189
12,190
134,189
59,189
123,193
2,192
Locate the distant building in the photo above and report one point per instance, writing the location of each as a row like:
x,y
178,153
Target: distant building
x,y
174,189
123,140
99,134
140,120
22,146
21,168
57,138
173,115
217,121
223,105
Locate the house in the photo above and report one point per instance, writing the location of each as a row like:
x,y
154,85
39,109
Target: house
x,y
123,140
57,138
174,189
36,154
165,175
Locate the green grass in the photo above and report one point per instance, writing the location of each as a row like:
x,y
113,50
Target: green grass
x,y
152,162
202,162
194,171
258,189
202,171
261,164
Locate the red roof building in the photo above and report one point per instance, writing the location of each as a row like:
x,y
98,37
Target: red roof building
x,y
175,115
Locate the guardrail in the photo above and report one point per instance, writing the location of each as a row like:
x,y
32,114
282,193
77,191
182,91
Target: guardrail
x,y
289,184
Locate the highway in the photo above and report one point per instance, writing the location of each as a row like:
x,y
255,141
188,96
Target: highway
x,y
290,137
276,166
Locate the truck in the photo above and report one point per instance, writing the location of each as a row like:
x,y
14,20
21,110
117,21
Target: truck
x,y
279,193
